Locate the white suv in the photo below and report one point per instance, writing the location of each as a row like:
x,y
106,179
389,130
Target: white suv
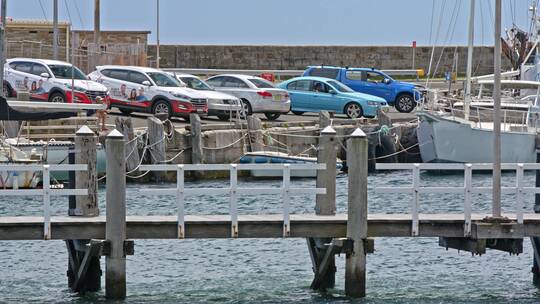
x,y
219,104
49,80
148,90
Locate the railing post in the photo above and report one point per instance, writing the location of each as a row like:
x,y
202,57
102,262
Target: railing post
x,y
416,199
180,201
46,202
156,144
519,193
536,240
86,153
286,199
255,134
115,229
357,211
197,156
233,201
467,199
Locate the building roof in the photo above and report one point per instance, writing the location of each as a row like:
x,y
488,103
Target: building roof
x,y
114,32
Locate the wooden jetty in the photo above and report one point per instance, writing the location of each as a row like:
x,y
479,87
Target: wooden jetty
x,y
89,235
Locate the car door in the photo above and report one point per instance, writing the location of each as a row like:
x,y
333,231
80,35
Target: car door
x,y
300,94
140,95
40,88
20,75
321,98
374,83
116,81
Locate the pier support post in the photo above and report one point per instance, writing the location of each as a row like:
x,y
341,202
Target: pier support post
x,y
535,241
197,156
357,210
325,205
156,143
324,119
85,153
115,230
125,126
255,134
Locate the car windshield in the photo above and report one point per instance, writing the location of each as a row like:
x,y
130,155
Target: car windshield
x,y
261,84
66,72
340,87
196,84
164,80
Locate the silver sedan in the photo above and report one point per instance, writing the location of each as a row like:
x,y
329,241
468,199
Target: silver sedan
x,y
256,94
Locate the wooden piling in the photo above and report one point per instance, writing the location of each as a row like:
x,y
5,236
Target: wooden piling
x,y
156,144
115,230
357,209
125,126
256,140
325,205
324,119
535,241
197,156
86,153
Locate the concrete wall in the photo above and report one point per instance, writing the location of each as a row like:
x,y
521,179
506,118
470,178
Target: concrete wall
x,y
298,57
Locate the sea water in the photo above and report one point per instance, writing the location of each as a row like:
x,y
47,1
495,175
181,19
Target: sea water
x,y
402,270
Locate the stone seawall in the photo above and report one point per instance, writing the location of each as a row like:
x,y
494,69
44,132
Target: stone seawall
x,y
298,57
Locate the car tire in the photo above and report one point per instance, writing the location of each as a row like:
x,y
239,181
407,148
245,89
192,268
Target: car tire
x,y
125,111
297,113
272,116
405,103
161,107
57,97
246,109
353,110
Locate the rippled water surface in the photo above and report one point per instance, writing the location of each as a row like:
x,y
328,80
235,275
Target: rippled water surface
x,y
402,270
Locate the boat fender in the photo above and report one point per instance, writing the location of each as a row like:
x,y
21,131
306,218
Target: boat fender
x,y
386,147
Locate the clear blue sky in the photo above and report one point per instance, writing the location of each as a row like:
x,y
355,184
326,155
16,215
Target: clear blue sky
x,y
289,22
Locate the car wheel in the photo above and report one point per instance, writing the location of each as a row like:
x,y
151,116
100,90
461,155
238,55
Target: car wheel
x,y
297,113
405,103
57,97
125,111
353,110
246,109
272,116
161,107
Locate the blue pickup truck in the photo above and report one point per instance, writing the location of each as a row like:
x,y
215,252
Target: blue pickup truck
x,y
402,95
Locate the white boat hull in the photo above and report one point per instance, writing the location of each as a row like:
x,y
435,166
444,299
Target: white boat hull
x,y
444,140
21,179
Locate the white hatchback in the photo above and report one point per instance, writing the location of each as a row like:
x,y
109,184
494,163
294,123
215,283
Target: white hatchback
x,y
257,94
149,90
219,104
50,80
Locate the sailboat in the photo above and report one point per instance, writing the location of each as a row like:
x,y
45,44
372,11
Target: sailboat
x,y
444,136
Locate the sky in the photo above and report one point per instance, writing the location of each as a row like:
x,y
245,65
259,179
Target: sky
x,y
288,22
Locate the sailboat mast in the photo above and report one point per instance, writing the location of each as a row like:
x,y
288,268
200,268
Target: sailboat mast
x,y
467,101
496,208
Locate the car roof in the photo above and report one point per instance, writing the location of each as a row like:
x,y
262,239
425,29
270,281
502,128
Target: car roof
x,y
182,74
129,67
42,61
241,76
311,78
347,68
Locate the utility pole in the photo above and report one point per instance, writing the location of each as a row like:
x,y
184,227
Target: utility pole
x,y
157,33
470,49
97,35
3,44
55,30
497,114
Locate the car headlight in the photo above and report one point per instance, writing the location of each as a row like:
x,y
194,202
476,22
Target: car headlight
x,y
181,96
375,103
214,101
75,88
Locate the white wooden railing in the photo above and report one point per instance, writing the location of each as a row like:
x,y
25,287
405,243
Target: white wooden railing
x,y
233,190
46,192
467,189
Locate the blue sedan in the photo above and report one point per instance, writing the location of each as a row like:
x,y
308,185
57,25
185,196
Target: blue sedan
x,y
314,94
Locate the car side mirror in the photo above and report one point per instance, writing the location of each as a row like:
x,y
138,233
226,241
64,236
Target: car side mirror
x,y
146,83
332,91
45,75
387,81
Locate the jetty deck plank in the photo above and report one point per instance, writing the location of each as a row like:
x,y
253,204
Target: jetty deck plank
x,y
263,226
